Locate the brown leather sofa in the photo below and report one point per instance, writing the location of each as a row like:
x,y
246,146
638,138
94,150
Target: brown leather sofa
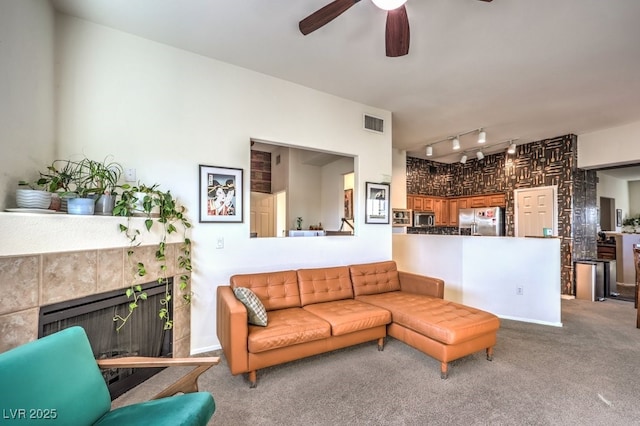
x,y
311,311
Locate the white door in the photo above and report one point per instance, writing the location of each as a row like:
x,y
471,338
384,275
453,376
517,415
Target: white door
x,y
536,209
262,215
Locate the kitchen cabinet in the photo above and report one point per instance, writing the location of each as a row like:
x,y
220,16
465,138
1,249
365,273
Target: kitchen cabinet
x,y
454,209
478,201
496,200
441,210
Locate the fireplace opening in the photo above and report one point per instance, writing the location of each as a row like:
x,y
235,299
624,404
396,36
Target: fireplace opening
x,y
143,335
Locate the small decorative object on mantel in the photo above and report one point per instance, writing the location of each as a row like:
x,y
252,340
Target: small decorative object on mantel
x,y
299,223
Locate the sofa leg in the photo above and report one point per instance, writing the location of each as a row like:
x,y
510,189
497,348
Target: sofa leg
x,y
444,370
253,379
490,353
381,344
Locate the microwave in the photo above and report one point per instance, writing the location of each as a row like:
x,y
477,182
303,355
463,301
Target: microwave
x,y
424,219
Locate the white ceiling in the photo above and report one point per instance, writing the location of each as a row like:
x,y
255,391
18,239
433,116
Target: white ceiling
x,y
525,69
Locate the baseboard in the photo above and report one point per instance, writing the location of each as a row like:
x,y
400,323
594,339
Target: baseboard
x,y
206,349
553,324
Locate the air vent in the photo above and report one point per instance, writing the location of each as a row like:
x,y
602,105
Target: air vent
x,y
374,124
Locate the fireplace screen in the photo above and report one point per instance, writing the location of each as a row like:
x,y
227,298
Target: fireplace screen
x,y
143,335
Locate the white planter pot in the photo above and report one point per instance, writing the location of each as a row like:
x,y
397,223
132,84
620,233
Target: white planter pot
x,y
33,199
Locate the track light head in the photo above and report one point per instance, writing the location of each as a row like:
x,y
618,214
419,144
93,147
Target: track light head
x,y
512,148
455,144
479,155
429,151
482,136
463,159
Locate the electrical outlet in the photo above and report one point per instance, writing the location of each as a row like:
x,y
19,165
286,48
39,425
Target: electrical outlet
x,y
220,243
520,290
130,175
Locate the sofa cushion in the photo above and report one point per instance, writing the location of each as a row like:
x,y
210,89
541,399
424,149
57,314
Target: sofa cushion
x,y
276,290
324,285
373,278
255,309
287,327
347,316
438,319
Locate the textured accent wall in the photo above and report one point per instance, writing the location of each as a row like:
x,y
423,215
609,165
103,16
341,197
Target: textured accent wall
x,y
261,171
550,162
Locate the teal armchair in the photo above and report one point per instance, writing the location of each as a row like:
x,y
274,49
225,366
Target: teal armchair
x,y
56,380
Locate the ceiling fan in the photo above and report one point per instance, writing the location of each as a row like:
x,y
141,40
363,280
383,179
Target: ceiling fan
x,y
397,32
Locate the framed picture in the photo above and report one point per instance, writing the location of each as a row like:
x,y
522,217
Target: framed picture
x,y
220,194
377,207
618,217
348,204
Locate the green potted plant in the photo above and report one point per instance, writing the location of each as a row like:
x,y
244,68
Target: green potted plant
x,y
91,184
158,208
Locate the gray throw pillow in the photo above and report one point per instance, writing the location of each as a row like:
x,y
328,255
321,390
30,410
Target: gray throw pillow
x,y
255,308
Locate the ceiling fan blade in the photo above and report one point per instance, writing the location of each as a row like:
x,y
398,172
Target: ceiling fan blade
x,y
325,15
397,34
488,1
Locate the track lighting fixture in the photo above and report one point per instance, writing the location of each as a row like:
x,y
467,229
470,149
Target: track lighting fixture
x,y
512,148
479,155
429,151
482,136
455,144
463,159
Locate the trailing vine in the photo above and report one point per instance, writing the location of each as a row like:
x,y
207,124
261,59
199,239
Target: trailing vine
x,y
156,207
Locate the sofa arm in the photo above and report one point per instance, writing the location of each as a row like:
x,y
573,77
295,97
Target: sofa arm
x,y
421,284
232,329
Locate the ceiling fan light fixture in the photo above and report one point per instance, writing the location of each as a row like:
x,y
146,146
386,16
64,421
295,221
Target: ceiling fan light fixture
x,y
479,155
429,151
482,136
389,4
455,144
463,159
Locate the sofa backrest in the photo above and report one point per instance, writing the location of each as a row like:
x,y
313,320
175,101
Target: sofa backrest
x,y
54,380
373,278
276,290
324,285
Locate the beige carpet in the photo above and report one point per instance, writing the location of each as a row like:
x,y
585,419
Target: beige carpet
x,y
584,373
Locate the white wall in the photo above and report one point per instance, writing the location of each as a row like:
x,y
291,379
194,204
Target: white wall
x,y
163,111
333,192
610,147
617,189
484,272
26,93
634,198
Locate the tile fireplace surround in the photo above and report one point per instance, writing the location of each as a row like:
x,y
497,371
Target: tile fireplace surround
x,y
51,258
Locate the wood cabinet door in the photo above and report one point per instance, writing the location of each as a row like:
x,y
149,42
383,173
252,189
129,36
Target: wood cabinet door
x,y
454,209
417,203
428,204
410,202
478,201
496,200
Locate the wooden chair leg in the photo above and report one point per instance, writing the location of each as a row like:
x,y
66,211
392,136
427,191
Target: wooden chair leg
x,y
490,353
444,370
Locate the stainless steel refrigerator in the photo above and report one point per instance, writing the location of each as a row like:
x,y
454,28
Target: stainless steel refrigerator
x,y
481,221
